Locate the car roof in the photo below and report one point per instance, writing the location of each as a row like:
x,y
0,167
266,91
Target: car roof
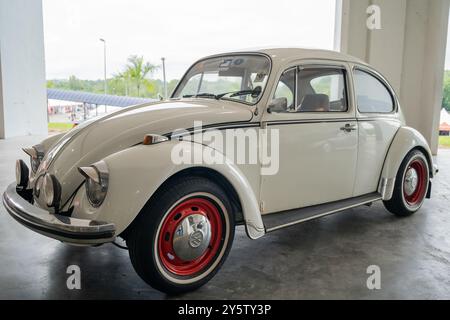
x,y
282,53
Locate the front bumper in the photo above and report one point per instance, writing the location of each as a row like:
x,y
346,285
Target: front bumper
x,y
66,229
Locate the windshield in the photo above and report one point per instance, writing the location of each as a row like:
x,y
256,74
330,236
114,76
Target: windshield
x,y
240,78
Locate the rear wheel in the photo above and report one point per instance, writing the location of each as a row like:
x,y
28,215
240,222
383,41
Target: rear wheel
x,y
411,185
182,238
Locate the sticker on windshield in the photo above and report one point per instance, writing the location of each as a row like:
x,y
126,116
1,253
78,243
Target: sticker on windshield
x,y
225,64
238,61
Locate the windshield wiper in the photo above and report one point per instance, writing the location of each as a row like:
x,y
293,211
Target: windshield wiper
x,y
255,93
200,95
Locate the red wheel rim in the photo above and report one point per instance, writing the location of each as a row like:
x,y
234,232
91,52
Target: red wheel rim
x,y
166,252
418,194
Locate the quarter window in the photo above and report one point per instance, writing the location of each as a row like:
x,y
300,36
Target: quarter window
x,y
285,91
372,96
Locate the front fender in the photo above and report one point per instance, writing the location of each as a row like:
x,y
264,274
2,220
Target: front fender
x,y
135,174
404,141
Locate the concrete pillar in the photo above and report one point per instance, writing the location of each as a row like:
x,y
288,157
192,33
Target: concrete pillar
x,y
23,97
409,50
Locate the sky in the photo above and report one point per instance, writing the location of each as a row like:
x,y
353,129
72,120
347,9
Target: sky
x,y
181,31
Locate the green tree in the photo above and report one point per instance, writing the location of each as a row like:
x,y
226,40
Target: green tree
x,y
134,80
75,83
137,70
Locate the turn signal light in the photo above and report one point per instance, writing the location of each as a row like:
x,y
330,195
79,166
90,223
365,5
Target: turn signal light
x,y
150,139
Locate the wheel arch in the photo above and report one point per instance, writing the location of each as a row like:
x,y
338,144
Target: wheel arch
x,y
406,140
214,176
204,172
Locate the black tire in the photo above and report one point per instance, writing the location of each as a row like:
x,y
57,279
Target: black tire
x,y
402,203
146,242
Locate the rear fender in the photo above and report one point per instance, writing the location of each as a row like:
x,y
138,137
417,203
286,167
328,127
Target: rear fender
x,y
405,140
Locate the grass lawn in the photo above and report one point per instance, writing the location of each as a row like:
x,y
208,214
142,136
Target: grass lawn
x,y
59,126
444,141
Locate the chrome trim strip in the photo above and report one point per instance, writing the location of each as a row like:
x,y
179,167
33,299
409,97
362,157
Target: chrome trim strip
x,y
297,121
323,214
222,126
392,118
56,226
331,65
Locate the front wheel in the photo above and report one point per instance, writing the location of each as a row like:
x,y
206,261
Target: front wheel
x,y
183,236
411,185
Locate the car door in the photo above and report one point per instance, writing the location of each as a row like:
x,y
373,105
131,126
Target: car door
x,y
318,137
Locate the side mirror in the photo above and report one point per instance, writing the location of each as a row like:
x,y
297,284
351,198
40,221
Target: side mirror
x,y
277,105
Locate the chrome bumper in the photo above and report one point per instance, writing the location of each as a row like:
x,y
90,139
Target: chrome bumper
x,y
66,229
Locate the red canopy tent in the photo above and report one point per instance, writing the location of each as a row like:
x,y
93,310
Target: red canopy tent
x,y
444,126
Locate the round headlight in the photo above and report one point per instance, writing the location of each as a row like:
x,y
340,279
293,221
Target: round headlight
x,y
22,174
97,179
96,193
51,190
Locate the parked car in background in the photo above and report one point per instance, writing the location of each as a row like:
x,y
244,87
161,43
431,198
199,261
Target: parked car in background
x,y
342,142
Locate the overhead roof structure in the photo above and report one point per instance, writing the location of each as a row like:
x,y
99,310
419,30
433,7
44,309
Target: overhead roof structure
x,y
95,98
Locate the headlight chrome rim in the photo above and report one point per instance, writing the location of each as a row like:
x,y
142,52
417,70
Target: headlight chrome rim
x,y
51,190
96,184
22,174
38,185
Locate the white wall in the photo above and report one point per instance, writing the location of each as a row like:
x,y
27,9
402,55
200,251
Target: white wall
x,y
23,98
409,50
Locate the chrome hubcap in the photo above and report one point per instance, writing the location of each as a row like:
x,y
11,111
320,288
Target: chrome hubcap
x,y
192,237
411,181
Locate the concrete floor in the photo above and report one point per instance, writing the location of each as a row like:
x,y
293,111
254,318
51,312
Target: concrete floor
x,y
322,259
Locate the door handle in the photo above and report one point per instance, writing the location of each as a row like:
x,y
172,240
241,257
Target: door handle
x,y
348,127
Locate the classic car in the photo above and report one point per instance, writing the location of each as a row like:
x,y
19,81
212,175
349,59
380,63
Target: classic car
x,y
341,142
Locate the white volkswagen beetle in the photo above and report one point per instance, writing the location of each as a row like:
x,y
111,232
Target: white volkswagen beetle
x,y
340,141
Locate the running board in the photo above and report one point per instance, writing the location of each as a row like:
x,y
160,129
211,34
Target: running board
x,y
289,218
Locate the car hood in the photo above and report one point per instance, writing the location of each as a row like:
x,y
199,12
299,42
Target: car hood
x,y
98,138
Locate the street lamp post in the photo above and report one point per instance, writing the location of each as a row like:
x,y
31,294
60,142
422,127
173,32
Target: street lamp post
x,y
164,76
104,68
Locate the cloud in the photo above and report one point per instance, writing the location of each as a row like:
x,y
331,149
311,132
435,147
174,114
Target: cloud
x,y
181,31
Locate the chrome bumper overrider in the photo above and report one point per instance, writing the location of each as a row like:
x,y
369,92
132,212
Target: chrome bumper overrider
x,y
66,229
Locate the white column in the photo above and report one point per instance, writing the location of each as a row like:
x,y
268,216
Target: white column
x,y
409,50
23,98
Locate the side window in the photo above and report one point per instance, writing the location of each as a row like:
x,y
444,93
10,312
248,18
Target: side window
x,y
321,90
284,97
372,96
